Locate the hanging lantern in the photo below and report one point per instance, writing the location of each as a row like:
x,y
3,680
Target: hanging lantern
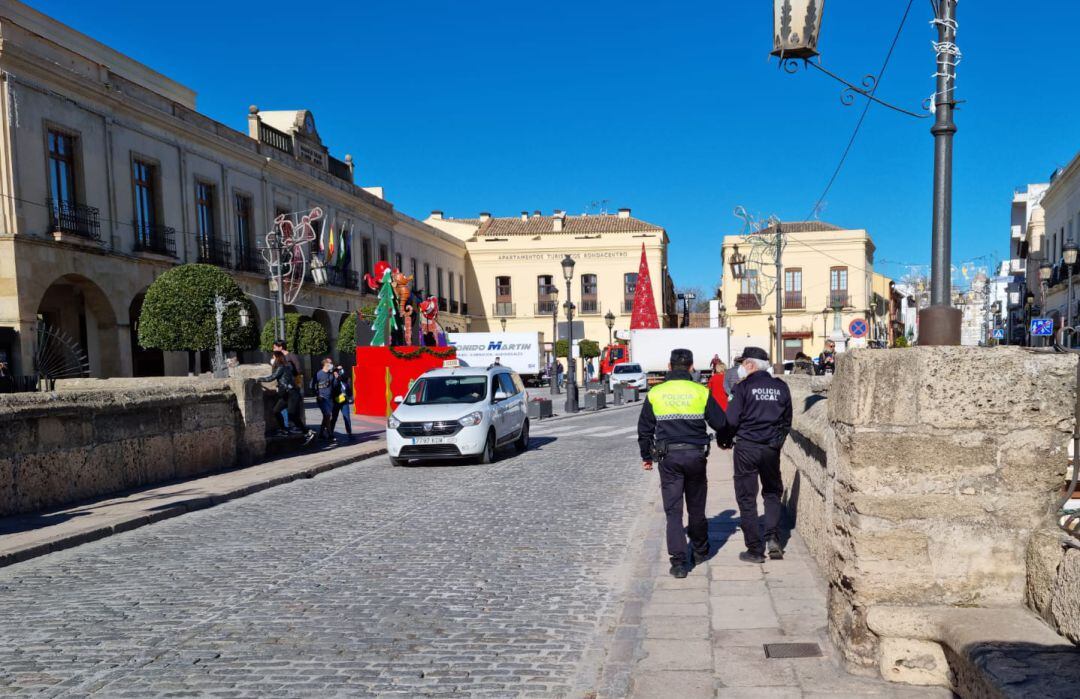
x,y
796,25
738,264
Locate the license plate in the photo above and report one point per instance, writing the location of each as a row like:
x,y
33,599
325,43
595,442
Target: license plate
x,y
430,440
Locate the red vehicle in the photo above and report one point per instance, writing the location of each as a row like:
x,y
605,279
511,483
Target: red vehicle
x,y
612,355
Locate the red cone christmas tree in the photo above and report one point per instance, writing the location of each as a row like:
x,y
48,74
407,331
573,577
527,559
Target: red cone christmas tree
x,y
644,315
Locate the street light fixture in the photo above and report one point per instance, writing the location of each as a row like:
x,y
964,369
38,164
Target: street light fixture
x,y
609,320
502,322
318,271
1069,254
220,306
571,375
738,264
553,380
804,16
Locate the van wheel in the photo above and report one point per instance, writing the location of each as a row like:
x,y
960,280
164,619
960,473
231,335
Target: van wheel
x,y
395,461
488,455
522,442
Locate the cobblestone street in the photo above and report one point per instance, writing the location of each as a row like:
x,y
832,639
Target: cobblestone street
x,y
486,580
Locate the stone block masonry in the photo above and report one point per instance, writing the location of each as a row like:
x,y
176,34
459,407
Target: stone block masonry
x,y
101,437
924,478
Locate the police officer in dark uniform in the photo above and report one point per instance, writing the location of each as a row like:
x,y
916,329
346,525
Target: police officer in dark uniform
x,y
758,420
671,432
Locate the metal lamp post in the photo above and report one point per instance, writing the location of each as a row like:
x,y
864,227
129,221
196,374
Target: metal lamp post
x,y
571,371
553,294
1046,271
609,320
1069,254
220,306
1013,304
796,29
995,317
1029,301
738,264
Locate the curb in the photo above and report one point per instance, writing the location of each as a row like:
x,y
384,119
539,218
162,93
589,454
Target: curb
x,y
582,413
182,507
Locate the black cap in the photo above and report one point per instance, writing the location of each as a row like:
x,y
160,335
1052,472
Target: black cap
x,y
755,353
682,357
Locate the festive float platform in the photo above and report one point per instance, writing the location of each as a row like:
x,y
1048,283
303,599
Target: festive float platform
x,y
384,372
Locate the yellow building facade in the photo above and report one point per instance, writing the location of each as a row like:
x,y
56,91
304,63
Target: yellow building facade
x,y
827,283
514,277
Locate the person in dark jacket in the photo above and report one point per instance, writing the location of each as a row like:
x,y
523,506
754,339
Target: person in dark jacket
x,y
325,388
343,398
826,363
758,420
285,379
671,430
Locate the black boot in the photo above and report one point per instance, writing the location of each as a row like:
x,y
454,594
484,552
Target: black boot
x,y
751,557
678,570
776,552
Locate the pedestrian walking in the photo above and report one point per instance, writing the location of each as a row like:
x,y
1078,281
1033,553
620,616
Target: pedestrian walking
x,y
324,396
731,376
284,377
716,365
343,398
559,373
758,420
588,370
298,373
671,433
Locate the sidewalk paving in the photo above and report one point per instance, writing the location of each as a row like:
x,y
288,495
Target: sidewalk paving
x,y
703,636
26,536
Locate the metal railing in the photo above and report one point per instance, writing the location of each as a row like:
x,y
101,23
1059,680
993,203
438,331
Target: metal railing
x,y
443,305
154,238
211,251
454,305
545,308
839,299
249,260
628,306
74,219
589,307
464,308
275,139
343,278
504,309
794,300
340,169
747,302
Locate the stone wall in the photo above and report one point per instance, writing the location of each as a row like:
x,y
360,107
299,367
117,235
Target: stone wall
x,y
920,481
96,438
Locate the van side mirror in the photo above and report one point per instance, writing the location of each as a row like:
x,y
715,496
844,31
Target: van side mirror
x,y
398,400
500,395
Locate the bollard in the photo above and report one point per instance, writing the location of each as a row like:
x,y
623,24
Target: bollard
x,y
617,395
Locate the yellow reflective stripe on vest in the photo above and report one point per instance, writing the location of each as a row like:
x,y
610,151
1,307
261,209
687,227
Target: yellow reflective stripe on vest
x,y
679,400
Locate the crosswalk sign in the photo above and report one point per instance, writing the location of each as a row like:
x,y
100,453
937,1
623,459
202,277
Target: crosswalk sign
x,y
999,333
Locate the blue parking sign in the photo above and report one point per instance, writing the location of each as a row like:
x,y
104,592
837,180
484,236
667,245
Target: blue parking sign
x,y
1042,327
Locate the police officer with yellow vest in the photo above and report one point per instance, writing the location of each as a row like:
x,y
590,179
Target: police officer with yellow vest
x,y
671,433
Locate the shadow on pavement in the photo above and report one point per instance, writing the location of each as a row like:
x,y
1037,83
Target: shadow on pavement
x,y
721,528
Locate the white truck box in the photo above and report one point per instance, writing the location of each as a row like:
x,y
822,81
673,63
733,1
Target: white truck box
x,y
521,352
652,348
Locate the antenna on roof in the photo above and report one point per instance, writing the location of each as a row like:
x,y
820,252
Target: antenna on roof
x,y
598,206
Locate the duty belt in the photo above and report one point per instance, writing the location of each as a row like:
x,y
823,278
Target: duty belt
x,y
683,446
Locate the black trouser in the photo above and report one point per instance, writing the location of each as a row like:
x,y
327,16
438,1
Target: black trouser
x,y
296,410
682,476
753,461
341,409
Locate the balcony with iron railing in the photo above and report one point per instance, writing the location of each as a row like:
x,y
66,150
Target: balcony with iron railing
x,y
340,169
250,260
545,307
74,219
589,307
503,309
160,240
342,278
628,306
454,306
444,307
839,299
464,308
211,251
275,139
747,302
793,300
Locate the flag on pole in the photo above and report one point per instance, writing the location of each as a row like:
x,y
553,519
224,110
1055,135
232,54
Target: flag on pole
x,y
322,235
343,250
331,248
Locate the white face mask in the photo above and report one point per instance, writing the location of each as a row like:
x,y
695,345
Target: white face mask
x,y
741,371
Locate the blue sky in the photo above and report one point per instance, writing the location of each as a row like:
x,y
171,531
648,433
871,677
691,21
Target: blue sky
x,y
669,108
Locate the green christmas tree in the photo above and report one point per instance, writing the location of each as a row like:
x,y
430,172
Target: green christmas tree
x,y
385,320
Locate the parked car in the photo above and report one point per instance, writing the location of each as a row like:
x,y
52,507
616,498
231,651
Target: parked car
x,y
459,413
629,374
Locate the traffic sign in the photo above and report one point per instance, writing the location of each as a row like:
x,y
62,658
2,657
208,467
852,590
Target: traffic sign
x,y
858,328
1042,327
999,333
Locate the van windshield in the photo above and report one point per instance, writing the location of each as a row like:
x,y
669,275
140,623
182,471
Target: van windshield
x,y
628,369
445,390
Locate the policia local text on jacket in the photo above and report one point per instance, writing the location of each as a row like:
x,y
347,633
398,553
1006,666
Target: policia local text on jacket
x,y
758,419
671,431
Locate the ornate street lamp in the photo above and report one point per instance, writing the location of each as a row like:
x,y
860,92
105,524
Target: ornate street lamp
x,y
553,294
318,271
571,375
609,320
738,264
1069,254
796,25
502,322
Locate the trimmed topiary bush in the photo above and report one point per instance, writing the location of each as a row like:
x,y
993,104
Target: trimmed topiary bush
x,y
178,311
